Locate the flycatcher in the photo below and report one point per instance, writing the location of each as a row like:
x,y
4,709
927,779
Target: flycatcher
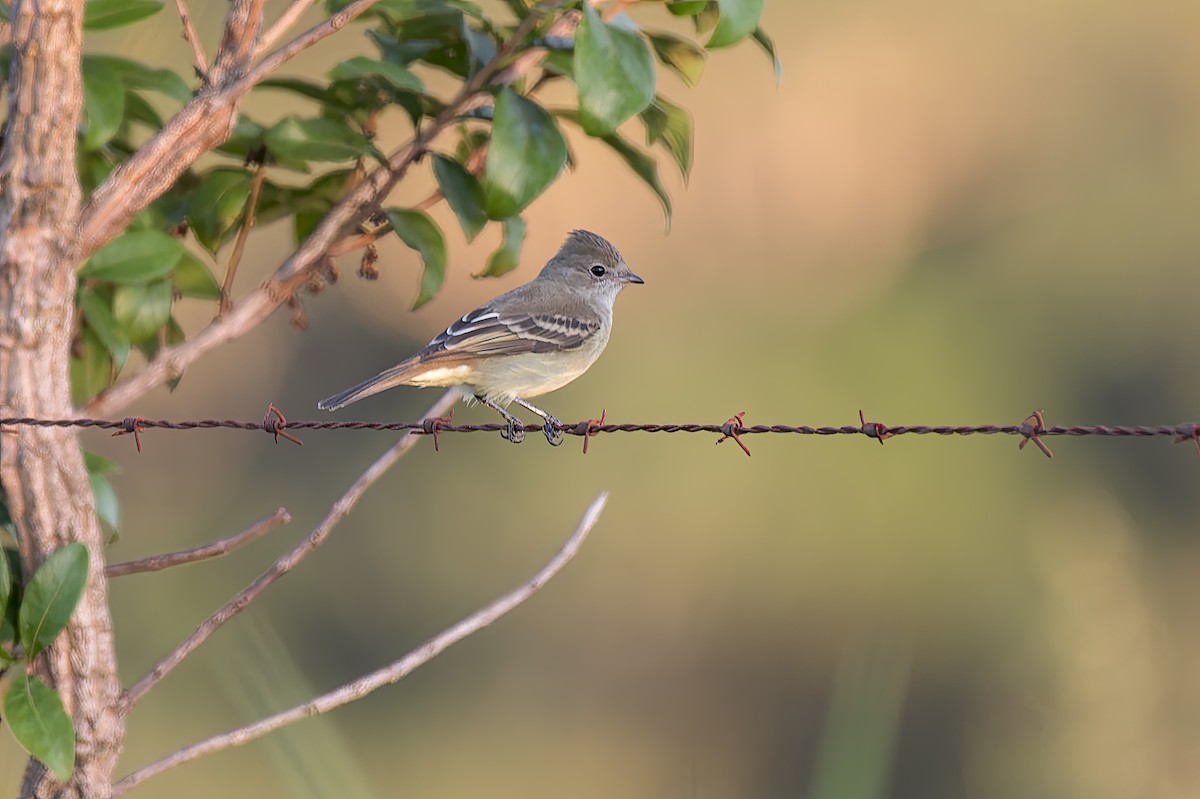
x,y
526,342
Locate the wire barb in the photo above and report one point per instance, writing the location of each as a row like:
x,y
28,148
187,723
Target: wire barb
x,y
876,430
135,425
733,428
1192,435
590,428
1033,427
277,425
434,425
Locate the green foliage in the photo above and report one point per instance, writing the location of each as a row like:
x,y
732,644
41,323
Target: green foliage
x,y
526,155
216,204
614,73
738,19
40,723
505,259
419,232
463,193
50,597
509,149
100,15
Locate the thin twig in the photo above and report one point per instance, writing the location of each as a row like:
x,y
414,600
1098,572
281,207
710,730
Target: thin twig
x,y
340,509
282,25
216,549
189,33
307,39
239,244
387,675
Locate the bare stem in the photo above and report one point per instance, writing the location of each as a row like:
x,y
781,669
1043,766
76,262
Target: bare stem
x,y
392,673
214,550
239,244
282,25
189,33
340,509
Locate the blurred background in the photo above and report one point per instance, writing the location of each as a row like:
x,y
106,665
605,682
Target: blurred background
x,y
946,213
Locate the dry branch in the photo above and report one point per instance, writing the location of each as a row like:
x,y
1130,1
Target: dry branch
x,y
394,672
340,509
214,550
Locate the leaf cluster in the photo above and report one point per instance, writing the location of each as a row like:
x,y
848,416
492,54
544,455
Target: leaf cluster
x,y
507,147
32,615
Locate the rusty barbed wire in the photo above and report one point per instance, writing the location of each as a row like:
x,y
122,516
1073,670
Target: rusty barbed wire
x,y
1033,428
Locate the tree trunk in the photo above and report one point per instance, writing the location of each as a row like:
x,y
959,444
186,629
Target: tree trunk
x,y
41,469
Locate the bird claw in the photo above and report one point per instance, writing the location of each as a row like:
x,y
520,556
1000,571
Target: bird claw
x,y
515,432
553,434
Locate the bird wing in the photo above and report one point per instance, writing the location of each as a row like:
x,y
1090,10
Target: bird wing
x,y
486,331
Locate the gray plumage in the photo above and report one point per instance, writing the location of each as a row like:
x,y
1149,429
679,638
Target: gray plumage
x,y
524,343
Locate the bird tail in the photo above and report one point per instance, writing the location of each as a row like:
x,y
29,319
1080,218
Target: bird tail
x,y
396,376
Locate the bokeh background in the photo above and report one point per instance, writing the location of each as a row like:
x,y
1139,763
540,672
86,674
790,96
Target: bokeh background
x,y
945,213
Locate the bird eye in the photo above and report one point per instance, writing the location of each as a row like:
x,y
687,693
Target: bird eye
x,y
598,270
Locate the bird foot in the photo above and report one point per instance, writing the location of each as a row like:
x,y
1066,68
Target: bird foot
x,y
553,434
514,432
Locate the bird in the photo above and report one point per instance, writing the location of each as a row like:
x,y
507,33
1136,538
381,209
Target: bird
x,y
525,343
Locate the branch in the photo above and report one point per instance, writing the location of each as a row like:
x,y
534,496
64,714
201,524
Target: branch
x,y
236,51
199,127
214,550
256,306
282,25
239,244
341,508
387,675
189,33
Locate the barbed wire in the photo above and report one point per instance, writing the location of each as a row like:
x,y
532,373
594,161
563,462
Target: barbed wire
x,y
276,424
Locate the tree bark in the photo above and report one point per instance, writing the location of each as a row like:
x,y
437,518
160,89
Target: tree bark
x,y
41,469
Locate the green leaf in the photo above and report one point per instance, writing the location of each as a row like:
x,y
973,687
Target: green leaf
x,y
706,18
464,193
8,611
683,56
526,155
362,67
138,110
140,77
101,15
686,8
103,104
216,205
419,232
507,256
108,507
40,724
98,464
644,167
671,126
614,72
51,596
99,318
739,19
764,41
316,140
142,310
138,256
91,367
193,278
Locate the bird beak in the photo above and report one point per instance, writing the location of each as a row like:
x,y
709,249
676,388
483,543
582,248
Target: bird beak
x,y
630,277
